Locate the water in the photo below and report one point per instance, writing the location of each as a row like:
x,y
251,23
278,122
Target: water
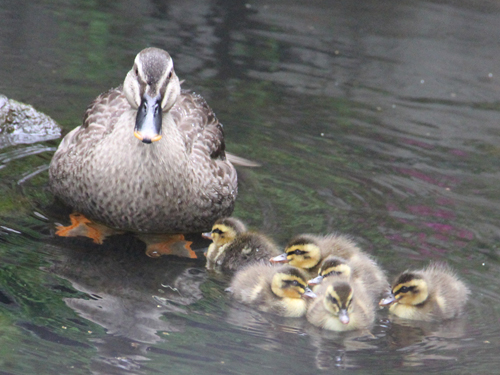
x,y
378,119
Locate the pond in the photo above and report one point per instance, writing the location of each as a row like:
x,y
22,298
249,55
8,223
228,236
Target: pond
x,y
377,119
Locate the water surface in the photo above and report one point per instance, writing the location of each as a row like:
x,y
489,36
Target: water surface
x,y
378,119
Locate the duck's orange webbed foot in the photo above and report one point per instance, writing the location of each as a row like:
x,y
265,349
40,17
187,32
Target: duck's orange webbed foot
x,y
168,244
81,226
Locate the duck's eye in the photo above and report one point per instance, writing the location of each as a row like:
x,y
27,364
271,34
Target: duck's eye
x,y
136,71
169,75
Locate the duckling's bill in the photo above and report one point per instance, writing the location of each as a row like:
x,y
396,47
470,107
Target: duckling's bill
x,y
207,235
309,294
148,119
316,281
343,316
282,258
389,300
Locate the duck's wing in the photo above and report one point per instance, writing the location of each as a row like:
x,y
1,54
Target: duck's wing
x,y
202,131
100,118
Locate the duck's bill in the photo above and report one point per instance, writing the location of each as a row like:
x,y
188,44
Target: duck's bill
x,y
309,294
207,235
387,300
317,280
279,259
148,119
343,316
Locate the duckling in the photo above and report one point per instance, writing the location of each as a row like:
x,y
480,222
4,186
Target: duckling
x,y
306,251
279,290
234,247
361,269
433,293
341,305
332,266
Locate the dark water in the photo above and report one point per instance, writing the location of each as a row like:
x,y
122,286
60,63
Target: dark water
x,y
375,118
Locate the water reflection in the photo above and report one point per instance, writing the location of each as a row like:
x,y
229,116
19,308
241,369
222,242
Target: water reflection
x,y
420,342
127,292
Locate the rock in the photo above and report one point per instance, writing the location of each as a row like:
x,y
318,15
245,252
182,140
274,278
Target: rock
x,y
20,124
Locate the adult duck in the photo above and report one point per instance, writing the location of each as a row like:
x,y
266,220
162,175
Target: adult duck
x,y
148,158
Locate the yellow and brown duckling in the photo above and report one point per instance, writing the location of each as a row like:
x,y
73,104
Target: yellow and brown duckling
x,y
341,305
307,251
234,247
433,293
332,266
361,269
279,290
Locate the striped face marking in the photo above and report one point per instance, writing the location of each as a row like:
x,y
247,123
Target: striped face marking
x,y
335,267
338,300
222,234
410,289
303,255
289,282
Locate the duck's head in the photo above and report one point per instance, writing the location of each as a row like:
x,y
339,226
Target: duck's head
x,y
338,300
290,282
409,288
332,266
151,87
301,252
225,230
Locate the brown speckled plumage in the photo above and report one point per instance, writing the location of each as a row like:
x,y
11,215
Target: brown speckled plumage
x,y
179,184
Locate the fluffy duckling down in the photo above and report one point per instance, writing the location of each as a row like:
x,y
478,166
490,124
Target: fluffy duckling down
x,y
279,290
307,251
234,247
341,305
362,270
433,293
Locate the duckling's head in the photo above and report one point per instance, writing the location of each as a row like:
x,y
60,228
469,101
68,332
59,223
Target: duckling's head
x,y
301,252
409,288
290,282
151,87
332,266
338,300
225,230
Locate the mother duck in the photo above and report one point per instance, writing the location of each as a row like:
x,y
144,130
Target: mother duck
x,y
148,157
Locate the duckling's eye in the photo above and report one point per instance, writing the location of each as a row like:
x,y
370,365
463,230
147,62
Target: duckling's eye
x,y
295,283
331,273
217,231
297,252
404,289
333,300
